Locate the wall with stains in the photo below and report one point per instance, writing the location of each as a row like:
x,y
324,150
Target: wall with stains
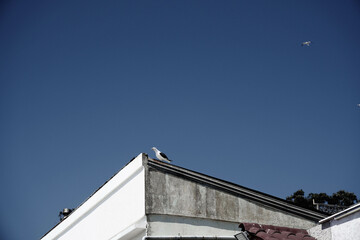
x,y
171,195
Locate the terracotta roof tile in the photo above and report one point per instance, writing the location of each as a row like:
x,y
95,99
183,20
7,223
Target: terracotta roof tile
x,y
269,232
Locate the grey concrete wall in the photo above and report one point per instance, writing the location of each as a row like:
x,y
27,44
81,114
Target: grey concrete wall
x,y
167,194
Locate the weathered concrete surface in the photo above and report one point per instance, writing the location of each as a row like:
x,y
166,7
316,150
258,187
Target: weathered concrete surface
x,y
167,194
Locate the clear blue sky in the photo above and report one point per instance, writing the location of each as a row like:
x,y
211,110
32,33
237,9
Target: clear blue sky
x,y
222,87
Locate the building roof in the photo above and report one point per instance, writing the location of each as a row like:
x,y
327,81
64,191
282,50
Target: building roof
x,y
350,210
150,164
268,232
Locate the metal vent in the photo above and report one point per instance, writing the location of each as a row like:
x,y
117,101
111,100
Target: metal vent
x,y
242,236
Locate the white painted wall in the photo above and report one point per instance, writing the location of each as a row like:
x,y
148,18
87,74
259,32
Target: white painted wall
x,y
347,228
320,233
115,211
340,226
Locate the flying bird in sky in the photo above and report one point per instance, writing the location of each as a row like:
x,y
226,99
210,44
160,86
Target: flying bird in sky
x,y
160,155
307,43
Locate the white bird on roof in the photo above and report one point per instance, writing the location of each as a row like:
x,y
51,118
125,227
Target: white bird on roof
x,y
307,43
160,155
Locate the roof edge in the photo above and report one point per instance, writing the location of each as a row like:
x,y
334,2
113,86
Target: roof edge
x,y
352,209
133,167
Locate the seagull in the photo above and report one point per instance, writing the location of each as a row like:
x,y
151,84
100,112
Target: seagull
x,y
307,43
160,155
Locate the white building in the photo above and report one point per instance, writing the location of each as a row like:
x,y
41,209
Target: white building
x,y
344,225
149,199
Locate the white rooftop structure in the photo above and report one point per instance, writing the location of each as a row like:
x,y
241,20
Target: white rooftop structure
x,y
157,200
344,225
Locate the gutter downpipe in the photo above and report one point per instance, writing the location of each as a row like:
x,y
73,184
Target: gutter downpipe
x,y
188,237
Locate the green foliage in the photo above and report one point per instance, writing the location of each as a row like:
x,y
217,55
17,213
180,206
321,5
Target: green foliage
x,y
341,198
319,197
298,198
